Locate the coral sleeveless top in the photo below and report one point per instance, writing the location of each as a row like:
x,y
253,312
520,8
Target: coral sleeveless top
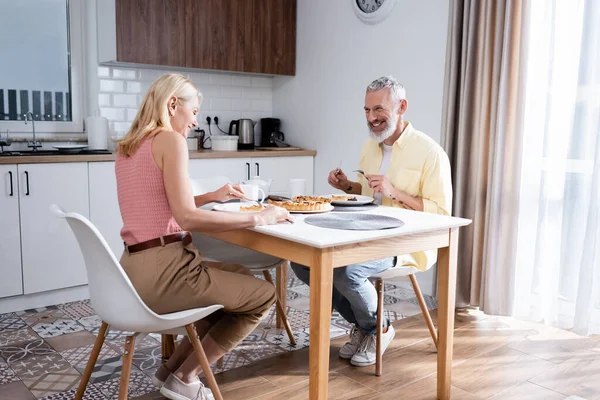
x,y
142,196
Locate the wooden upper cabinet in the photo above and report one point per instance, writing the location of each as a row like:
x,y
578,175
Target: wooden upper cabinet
x,y
256,36
242,35
151,31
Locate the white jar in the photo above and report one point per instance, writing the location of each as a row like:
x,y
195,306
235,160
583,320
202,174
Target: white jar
x,y
224,142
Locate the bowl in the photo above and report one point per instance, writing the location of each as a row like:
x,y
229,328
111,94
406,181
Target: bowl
x,y
224,142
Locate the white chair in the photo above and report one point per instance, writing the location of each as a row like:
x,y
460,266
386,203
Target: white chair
x,y
117,303
217,250
397,272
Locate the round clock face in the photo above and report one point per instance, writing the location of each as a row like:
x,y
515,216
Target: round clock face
x,y
369,6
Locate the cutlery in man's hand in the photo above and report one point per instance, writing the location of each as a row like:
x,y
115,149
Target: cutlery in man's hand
x,y
360,171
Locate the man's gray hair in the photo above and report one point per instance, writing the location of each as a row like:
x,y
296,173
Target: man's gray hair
x,y
396,89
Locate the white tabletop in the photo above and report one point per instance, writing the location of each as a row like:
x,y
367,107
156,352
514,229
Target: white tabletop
x,y
314,236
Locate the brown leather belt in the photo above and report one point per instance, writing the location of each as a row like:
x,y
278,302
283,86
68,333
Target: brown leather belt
x,y
184,237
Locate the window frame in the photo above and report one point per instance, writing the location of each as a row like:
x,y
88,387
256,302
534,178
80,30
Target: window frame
x,y
76,75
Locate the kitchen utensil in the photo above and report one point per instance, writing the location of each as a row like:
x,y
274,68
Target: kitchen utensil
x,y
244,128
270,130
265,185
192,143
360,171
253,192
70,148
97,132
360,200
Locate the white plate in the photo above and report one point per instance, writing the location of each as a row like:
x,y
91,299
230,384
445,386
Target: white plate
x,y
313,212
234,207
70,148
360,200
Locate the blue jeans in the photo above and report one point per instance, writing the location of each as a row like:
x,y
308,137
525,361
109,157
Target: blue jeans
x,y
354,296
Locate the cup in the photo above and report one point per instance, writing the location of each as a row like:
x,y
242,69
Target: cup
x,y
192,143
253,192
297,187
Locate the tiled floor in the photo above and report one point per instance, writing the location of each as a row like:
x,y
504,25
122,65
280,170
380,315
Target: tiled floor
x,y
43,351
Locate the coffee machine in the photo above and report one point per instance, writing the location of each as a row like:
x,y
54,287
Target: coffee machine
x,y
271,136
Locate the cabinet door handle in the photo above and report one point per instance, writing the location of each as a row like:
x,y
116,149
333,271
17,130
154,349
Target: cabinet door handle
x,y
27,183
248,170
11,184
257,169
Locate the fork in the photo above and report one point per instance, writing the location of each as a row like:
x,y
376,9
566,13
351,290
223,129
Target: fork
x,y
360,171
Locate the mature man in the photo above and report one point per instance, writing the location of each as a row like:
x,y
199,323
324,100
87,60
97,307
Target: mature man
x,y
403,168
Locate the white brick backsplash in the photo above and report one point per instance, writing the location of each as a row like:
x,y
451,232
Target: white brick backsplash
x,y
124,73
104,100
134,87
227,96
220,104
103,72
231,92
131,113
261,105
220,79
125,100
241,80
255,93
113,114
262,82
241,104
112,86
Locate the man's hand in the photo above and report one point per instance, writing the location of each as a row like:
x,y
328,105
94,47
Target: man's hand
x,y
381,184
338,179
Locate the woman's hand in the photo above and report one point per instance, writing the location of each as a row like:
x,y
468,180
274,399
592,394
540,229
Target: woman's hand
x,y
229,192
272,215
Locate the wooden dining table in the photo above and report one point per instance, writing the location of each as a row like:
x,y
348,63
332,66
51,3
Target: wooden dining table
x,y
323,249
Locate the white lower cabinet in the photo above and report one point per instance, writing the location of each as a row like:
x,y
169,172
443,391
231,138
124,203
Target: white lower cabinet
x,y
51,257
236,169
104,204
11,283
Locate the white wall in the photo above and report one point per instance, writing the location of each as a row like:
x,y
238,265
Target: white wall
x,y
338,56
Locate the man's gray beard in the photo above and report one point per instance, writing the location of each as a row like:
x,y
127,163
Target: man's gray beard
x,y
390,128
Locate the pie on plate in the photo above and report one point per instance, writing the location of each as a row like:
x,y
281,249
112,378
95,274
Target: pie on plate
x,y
304,204
252,208
335,197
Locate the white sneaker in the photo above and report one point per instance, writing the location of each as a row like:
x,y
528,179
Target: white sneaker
x,y
366,354
350,348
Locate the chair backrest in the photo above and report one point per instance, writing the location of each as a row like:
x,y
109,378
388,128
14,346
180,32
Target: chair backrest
x,y
205,185
112,295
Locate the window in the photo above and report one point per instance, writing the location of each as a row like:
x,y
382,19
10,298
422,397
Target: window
x,y
41,69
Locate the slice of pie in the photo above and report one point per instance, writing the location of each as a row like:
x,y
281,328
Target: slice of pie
x,y
343,198
303,203
252,208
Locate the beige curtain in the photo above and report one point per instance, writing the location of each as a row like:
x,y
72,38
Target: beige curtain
x,y
482,136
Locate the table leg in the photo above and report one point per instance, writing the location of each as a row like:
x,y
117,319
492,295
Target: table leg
x,y
446,301
281,278
321,281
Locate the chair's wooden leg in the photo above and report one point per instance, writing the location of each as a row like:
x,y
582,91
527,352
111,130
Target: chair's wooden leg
x,y
199,351
168,346
87,373
379,356
424,309
281,311
281,282
127,360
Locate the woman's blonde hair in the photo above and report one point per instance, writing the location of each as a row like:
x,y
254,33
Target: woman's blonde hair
x,y
154,111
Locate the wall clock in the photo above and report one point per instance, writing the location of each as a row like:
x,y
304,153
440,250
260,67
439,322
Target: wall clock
x,y
373,11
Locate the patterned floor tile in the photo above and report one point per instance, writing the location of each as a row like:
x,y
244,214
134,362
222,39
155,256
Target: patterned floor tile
x,y
78,309
7,375
91,393
49,321
147,358
11,322
232,360
118,343
41,315
39,365
15,391
255,350
282,340
53,382
71,340
139,384
91,323
24,350
57,328
107,369
78,357
13,337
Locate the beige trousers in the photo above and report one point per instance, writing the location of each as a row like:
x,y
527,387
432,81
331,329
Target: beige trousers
x,y
175,278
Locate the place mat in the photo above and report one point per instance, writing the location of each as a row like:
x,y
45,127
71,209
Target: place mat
x,y
354,222
350,208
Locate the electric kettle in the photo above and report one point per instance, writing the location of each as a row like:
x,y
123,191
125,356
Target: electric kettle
x,y
244,128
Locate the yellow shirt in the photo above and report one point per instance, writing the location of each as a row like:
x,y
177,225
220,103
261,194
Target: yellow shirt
x,y
418,166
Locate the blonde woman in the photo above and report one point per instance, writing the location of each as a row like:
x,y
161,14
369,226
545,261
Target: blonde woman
x,y
158,210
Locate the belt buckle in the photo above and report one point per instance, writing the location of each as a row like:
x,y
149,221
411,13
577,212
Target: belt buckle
x,y
162,241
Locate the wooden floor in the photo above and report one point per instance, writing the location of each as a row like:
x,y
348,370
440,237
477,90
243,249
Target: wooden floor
x,y
494,357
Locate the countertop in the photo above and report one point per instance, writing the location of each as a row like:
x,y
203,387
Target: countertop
x,y
204,154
